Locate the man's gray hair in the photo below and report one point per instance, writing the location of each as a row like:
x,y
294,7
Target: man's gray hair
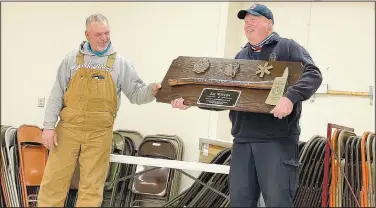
x,y
96,18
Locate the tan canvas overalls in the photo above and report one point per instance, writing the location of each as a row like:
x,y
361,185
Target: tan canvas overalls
x,y
85,132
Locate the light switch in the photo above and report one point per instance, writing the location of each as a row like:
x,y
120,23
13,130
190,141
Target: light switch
x,y
41,102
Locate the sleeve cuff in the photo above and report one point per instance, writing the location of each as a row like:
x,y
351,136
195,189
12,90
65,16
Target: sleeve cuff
x,y
151,89
152,95
293,97
50,126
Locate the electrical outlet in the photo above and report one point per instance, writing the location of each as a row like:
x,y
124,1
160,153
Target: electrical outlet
x,y
41,102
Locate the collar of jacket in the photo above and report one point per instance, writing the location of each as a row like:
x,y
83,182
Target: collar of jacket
x,y
274,38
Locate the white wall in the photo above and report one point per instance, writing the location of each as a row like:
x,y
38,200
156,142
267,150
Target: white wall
x,y
339,36
32,48
342,45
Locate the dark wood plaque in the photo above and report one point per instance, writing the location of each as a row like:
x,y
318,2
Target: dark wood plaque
x,y
219,83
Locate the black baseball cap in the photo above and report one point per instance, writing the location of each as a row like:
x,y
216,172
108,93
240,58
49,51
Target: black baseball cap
x,y
257,10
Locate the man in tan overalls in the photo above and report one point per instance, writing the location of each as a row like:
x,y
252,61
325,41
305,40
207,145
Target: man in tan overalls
x,y
86,96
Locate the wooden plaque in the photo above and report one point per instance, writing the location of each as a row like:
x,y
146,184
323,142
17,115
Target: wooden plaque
x,y
230,84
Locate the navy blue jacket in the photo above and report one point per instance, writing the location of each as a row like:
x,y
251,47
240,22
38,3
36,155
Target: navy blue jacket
x,y
259,127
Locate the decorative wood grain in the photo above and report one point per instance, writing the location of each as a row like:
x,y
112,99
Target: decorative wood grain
x,y
218,82
251,100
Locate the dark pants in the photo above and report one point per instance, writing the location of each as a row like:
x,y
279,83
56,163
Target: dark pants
x,y
271,168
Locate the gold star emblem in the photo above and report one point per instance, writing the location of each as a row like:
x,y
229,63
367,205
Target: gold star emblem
x,y
264,69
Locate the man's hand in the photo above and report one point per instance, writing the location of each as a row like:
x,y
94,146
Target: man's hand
x,y
155,87
178,103
283,108
49,138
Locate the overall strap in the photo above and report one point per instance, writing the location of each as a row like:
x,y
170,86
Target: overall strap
x,y
80,58
111,60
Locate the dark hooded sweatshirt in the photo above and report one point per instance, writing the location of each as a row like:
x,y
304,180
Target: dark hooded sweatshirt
x,y
263,127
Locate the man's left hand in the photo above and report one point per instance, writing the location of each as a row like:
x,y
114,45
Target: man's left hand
x,y
155,87
283,108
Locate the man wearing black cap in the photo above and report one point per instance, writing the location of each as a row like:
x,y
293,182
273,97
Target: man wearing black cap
x,y
265,155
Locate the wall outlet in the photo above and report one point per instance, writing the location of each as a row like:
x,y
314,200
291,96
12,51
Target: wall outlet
x,y
41,102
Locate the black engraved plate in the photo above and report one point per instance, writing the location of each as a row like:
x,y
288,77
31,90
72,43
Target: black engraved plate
x,y
218,97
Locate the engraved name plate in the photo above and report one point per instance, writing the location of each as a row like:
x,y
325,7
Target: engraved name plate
x,y
218,97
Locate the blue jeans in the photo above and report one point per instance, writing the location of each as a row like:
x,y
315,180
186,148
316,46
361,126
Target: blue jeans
x,y
270,168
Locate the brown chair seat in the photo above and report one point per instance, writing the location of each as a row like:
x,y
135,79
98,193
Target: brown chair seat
x,y
154,182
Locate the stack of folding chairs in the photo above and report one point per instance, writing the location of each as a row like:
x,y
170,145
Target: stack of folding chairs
x,y
138,185
2,199
311,156
199,195
157,186
352,158
355,155
116,191
367,188
23,158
